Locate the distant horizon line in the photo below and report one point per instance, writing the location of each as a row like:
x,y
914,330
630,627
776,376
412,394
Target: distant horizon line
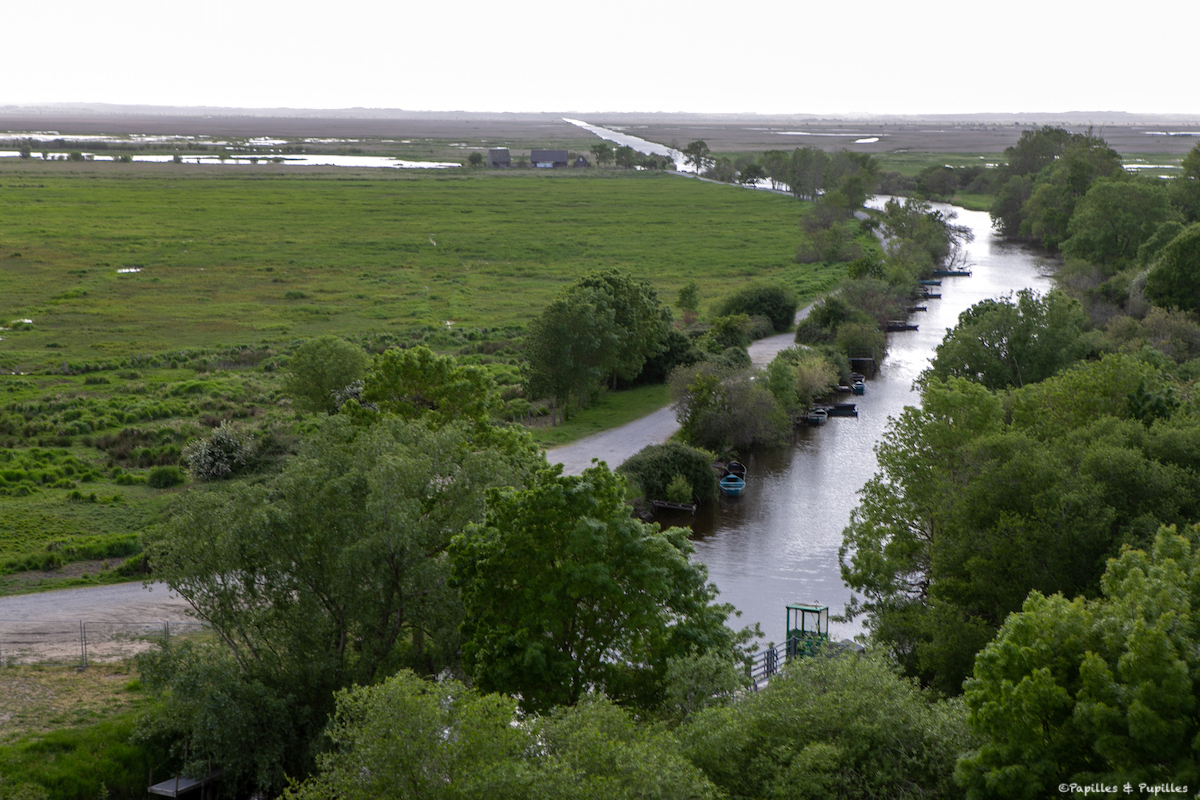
x,y
365,112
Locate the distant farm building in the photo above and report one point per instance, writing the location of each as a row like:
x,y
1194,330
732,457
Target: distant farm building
x,y
548,159
580,161
499,157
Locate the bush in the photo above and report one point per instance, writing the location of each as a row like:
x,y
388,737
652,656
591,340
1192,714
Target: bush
x,y
223,453
775,302
659,468
165,477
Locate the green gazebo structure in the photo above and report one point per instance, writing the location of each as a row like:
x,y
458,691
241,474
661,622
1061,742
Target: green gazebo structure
x,y
807,628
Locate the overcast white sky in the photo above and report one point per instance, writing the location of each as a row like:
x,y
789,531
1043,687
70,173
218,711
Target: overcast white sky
x,y
767,56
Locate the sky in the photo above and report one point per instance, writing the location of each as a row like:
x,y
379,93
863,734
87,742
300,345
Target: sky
x,y
765,56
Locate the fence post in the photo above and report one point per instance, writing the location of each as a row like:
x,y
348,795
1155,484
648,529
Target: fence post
x,y
82,645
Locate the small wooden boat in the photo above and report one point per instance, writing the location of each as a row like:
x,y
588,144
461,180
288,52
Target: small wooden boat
x,y
817,416
736,468
731,485
952,273
915,309
839,409
929,283
895,325
931,296
859,387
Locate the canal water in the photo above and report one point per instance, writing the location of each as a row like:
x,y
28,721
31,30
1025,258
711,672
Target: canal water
x,y
778,542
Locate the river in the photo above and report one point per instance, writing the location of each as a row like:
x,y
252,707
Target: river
x,y
778,542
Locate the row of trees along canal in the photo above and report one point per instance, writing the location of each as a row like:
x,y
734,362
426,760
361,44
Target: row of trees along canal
x,y
412,532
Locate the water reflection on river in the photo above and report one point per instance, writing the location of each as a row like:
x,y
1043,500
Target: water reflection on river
x,y
778,543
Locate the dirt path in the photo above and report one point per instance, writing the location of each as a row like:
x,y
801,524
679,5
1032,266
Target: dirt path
x,y
99,623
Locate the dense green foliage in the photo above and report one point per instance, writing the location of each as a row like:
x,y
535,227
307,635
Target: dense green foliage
x,y
973,507
1002,343
723,409
409,738
656,466
1094,691
776,303
605,325
564,593
321,368
831,727
331,574
1174,282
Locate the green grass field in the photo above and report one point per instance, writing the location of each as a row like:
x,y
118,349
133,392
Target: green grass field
x,y
248,258
121,369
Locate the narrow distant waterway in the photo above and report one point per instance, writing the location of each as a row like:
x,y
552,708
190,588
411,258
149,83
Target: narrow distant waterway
x,y
778,543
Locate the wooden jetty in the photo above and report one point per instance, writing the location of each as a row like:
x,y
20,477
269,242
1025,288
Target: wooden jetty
x,y
896,325
668,505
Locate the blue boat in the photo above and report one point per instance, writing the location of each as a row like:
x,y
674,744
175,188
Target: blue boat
x,y
731,485
817,416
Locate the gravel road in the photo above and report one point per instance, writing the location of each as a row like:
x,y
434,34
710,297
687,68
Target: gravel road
x,y
122,602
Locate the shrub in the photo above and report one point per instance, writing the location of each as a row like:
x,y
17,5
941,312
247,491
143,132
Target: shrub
x,y
165,477
657,469
775,302
223,453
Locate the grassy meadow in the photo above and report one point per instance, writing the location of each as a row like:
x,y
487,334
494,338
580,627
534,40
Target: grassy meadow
x,y
108,373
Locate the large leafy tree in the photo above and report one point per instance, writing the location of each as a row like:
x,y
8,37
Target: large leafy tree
x,y
409,738
969,512
1102,691
419,384
333,573
1174,282
321,368
844,727
606,324
565,593
1007,342
1114,219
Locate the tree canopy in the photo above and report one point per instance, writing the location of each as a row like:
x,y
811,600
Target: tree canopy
x,y
1002,343
565,593
332,573
1174,282
1094,691
320,368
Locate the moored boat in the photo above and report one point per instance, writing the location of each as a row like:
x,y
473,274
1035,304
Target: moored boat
x,y
731,485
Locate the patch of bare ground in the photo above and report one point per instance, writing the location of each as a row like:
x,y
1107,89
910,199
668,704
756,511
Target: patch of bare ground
x,y
40,580
38,699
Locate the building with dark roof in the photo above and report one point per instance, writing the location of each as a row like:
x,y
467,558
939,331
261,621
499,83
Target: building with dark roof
x,y
548,159
499,157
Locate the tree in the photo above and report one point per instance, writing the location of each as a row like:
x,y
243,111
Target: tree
x,y
640,319
773,301
654,467
1101,691
409,738
1000,343
689,298
721,409
320,368
806,171
331,574
626,157
566,347
1174,282
751,174
418,384
565,593
845,727
1114,219
1185,189
475,159
603,152
697,155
